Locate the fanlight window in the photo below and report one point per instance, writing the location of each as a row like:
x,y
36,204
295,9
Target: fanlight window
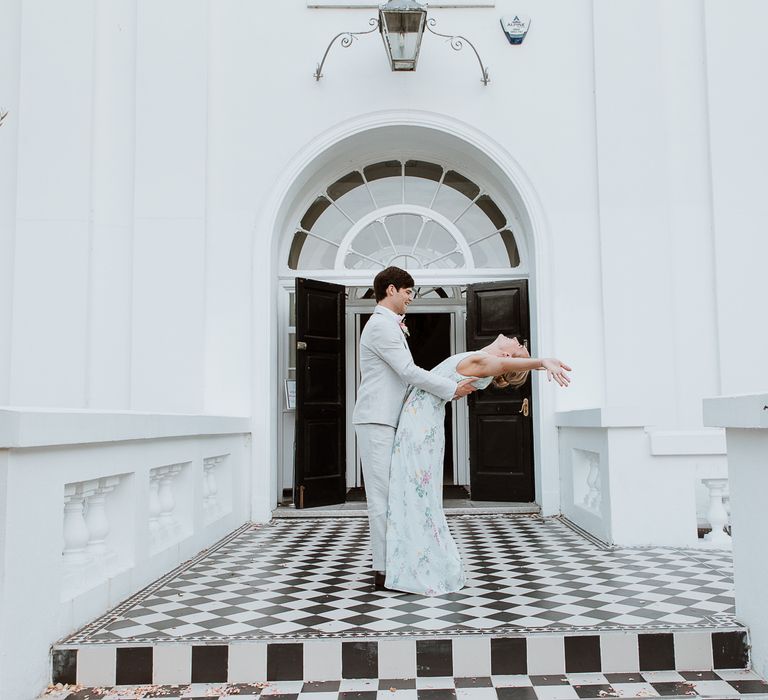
x,y
418,293
412,214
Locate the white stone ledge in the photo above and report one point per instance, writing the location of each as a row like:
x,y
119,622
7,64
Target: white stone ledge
x,y
40,427
707,441
368,5
617,417
744,411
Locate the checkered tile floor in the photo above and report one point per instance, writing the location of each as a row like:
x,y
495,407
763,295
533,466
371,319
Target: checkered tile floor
x,y
311,578
708,684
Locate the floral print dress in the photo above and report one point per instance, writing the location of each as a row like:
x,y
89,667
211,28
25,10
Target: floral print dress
x,y
421,554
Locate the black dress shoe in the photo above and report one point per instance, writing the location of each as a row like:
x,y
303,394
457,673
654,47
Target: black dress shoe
x,y
379,581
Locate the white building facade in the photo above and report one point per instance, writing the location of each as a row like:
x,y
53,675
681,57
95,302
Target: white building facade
x,y
158,168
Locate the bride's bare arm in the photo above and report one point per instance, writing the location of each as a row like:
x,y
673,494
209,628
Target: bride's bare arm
x,y
492,366
484,365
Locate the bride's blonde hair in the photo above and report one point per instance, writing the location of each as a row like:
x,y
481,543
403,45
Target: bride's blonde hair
x,y
515,379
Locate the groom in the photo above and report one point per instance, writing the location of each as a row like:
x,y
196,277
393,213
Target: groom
x,y
386,371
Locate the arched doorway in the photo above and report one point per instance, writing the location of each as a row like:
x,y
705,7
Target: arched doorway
x,y
446,227
363,140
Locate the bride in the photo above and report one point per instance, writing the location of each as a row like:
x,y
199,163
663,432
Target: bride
x,y
421,554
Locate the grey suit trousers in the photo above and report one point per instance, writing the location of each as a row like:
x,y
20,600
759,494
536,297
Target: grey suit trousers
x,y
374,441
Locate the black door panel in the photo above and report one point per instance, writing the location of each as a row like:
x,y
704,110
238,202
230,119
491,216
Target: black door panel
x,y
500,435
320,466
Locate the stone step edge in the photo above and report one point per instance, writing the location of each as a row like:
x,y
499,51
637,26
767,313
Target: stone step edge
x,y
331,659
286,513
351,636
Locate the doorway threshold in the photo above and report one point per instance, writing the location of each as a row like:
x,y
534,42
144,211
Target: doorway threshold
x,y
357,509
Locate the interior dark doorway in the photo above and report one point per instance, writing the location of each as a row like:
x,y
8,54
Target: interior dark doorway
x,y
430,342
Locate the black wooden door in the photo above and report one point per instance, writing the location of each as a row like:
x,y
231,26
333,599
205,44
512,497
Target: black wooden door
x,y
320,466
500,420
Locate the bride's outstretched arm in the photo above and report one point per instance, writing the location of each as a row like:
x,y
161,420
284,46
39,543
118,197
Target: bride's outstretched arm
x,y
484,365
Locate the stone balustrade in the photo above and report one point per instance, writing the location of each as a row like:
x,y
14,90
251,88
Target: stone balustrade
x,y
745,419
630,484
88,555
97,505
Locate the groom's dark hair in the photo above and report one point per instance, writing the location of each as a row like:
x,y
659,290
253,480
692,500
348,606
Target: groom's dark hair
x,y
390,275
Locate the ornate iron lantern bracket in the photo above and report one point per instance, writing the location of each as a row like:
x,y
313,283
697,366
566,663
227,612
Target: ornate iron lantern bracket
x,y
346,42
457,44
406,8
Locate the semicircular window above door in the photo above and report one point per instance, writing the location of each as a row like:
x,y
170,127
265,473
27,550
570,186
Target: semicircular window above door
x,y
412,214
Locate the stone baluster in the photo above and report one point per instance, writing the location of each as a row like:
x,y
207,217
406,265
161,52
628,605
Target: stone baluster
x,y
213,488
167,502
167,517
76,534
173,471
717,515
155,528
211,505
77,561
207,466
164,526
593,497
97,521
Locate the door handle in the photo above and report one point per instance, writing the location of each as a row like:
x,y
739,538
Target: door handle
x,y
524,409
301,345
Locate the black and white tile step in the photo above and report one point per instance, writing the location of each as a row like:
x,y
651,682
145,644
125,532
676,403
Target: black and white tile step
x,y
571,686
296,595
311,578
463,656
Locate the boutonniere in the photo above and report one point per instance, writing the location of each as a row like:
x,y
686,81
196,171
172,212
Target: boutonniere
x,y
404,329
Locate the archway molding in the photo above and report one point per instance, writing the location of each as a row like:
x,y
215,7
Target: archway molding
x,y
382,135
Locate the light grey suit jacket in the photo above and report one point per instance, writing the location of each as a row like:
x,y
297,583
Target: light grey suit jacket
x,y
386,370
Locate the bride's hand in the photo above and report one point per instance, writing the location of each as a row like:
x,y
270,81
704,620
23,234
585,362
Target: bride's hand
x,y
556,370
464,387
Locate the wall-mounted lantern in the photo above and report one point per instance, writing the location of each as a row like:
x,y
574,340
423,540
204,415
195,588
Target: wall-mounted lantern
x,y
402,24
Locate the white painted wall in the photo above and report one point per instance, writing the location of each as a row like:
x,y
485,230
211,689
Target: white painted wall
x,y
10,40
738,110
108,360
149,136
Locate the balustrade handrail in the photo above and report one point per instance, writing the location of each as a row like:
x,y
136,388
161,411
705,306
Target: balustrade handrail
x,y
739,411
601,417
22,427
